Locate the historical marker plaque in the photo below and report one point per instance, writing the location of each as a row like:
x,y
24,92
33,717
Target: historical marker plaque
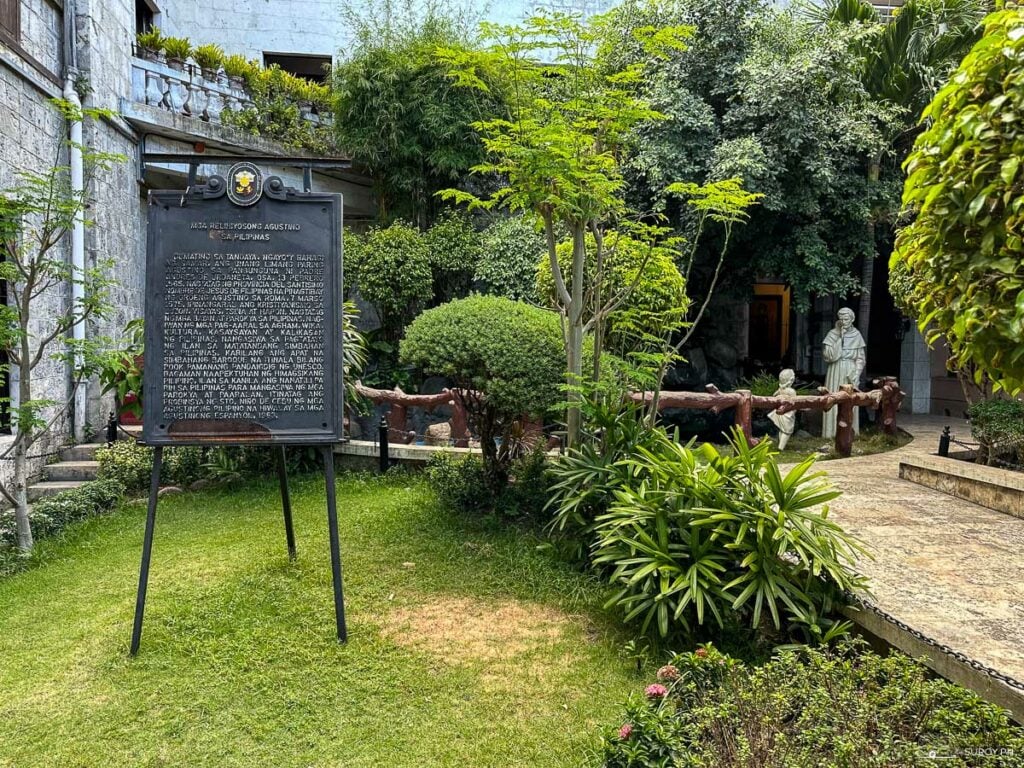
x,y
243,314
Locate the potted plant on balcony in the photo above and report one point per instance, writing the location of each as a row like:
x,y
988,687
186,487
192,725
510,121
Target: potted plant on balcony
x,y
237,67
150,44
177,50
210,58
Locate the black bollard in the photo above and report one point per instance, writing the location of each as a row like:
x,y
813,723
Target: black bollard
x,y
944,442
383,439
111,429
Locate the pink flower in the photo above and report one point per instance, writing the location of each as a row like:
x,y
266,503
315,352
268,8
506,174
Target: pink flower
x,y
668,673
625,732
701,652
655,691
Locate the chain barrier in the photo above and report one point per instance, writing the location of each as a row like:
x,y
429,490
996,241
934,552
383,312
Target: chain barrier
x,y
994,460
963,658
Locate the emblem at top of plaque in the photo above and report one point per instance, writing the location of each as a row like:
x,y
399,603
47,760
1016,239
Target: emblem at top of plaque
x,y
245,184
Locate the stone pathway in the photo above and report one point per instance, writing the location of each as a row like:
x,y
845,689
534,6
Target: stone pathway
x,y
946,567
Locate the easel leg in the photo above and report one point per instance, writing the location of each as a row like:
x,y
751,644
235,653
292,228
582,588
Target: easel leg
x,y
147,550
332,524
282,476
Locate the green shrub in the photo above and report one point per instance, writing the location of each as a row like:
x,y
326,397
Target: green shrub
x,y
960,264
459,482
998,425
690,535
655,301
51,515
393,271
510,250
809,707
508,350
131,464
453,246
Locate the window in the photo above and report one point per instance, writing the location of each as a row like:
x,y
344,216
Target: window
x,y
10,19
145,15
313,67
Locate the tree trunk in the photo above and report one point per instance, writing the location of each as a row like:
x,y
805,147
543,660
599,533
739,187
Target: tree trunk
x,y
867,275
20,494
574,337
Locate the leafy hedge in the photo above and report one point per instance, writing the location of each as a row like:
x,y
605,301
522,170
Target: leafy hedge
x,y
998,425
131,464
50,516
808,707
959,267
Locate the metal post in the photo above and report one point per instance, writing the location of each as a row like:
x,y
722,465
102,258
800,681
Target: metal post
x,y
111,429
147,549
383,430
944,442
332,527
282,476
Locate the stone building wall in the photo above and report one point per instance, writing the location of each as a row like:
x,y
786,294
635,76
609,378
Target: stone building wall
x,y
32,137
106,30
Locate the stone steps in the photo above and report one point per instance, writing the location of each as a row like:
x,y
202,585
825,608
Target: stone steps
x,y
51,488
82,452
72,470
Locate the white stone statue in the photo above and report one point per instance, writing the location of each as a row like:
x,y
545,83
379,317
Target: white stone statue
x,y
844,351
786,422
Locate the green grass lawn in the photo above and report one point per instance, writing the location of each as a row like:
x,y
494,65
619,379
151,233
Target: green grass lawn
x,y
467,646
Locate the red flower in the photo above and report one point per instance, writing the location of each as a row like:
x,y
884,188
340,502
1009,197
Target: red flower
x,y
655,691
625,732
668,673
701,652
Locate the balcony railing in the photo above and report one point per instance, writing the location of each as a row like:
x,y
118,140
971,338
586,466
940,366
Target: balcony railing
x,y
184,89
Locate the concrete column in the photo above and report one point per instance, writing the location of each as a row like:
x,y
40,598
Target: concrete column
x,y
915,371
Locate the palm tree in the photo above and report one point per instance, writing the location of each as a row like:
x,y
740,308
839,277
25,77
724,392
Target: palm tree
x,y
904,61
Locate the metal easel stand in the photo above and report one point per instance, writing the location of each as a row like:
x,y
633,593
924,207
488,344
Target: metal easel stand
x,y
332,526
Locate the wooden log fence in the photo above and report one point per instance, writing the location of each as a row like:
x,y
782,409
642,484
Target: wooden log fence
x,y
885,398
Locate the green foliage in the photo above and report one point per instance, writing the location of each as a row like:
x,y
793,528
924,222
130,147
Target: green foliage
x,y
453,247
759,95
177,48
963,254
354,348
461,483
237,65
401,116
130,464
51,515
506,350
121,368
210,57
688,535
152,39
276,113
644,274
766,384
510,249
392,268
847,706
998,425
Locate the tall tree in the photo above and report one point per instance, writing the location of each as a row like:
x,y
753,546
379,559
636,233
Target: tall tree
x,y
36,215
558,150
904,61
401,116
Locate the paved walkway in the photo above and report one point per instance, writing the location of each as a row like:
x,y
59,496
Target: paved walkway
x,y
947,567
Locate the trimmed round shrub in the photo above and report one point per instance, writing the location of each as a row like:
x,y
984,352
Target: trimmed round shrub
x,y
511,248
656,304
509,351
959,266
393,273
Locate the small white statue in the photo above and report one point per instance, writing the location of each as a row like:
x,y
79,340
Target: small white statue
x,y
786,422
844,351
